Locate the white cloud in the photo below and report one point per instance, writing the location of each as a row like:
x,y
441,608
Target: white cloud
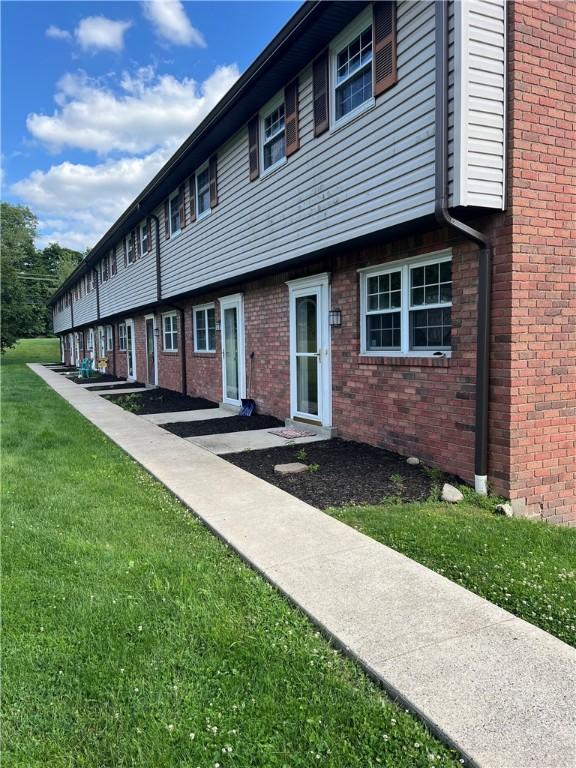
x,y
78,202
97,33
171,23
58,34
149,111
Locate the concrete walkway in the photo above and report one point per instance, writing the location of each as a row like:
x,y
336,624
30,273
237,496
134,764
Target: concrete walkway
x,y
497,688
250,440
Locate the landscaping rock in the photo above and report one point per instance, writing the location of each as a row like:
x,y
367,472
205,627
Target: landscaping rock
x,y
413,461
451,494
504,509
293,468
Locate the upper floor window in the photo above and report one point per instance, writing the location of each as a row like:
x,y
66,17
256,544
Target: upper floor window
x,y
407,307
113,262
273,136
353,85
175,224
170,332
105,269
203,191
144,238
131,248
205,328
122,337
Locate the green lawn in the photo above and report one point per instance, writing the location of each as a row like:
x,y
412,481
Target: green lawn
x,y
527,567
133,637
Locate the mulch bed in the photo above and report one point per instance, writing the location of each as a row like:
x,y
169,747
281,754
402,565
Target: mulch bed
x,y
222,426
94,379
348,473
115,387
163,401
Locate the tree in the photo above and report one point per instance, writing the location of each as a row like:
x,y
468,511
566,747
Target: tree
x,y
29,276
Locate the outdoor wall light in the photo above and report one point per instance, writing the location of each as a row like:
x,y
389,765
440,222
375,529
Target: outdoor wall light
x,y
217,325
335,318
157,332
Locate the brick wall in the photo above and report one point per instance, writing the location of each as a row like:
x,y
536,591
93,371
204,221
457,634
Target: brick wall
x,y
542,230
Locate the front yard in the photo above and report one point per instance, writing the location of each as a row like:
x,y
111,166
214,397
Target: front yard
x,y
133,637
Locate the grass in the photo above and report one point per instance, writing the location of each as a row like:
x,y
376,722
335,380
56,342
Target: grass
x,y
527,567
133,637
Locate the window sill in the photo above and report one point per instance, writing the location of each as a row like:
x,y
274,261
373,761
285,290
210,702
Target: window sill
x,y
208,353
419,361
337,125
204,215
273,168
169,351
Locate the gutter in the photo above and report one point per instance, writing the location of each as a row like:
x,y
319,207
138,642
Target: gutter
x,y
444,218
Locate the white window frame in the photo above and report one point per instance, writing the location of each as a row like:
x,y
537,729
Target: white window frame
x,y
172,331
208,211
360,23
405,266
264,113
203,309
174,232
143,229
122,347
109,339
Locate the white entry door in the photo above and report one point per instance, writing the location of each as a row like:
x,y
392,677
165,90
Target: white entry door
x,y
130,350
232,330
310,372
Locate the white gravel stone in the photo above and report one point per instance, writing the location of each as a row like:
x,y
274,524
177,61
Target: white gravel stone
x,y
451,494
293,468
504,509
413,461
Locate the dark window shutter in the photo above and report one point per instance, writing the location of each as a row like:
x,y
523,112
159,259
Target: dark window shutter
x,y
292,135
192,193
149,232
253,148
213,177
167,220
125,253
384,33
138,241
320,94
182,205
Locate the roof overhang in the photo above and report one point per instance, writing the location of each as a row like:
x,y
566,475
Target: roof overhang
x,y
309,30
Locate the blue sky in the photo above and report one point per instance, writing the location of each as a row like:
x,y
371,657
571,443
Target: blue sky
x,y
97,95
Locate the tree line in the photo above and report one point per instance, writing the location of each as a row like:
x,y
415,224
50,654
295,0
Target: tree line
x,y
29,275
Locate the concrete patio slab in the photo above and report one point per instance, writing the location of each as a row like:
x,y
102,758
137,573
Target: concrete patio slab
x,y
127,391
495,687
197,415
252,440
92,384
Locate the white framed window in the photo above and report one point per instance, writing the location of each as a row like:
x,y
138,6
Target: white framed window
x,y
205,328
122,337
170,332
131,248
109,339
175,214
144,241
351,70
406,307
203,192
272,134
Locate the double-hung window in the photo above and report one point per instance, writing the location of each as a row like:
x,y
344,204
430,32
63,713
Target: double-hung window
x,y
144,241
273,135
203,192
352,76
407,307
205,328
131,243
170,332
175,214
122,337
